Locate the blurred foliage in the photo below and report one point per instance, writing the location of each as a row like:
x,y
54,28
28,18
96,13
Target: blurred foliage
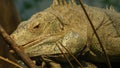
x,y
27,8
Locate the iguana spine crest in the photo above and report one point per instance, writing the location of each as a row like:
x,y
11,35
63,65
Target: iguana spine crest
x,y
63,2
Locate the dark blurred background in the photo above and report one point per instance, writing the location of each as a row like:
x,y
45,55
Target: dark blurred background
x,y
27,8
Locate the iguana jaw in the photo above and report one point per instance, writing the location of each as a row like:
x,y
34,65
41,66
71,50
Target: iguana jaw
x,y
41,43
51,51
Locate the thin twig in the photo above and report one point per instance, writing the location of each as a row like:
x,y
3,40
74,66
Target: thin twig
x,y
15,47
65,56
98,38
11,62
71,55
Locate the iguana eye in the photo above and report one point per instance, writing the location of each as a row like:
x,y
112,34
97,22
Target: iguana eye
x,y
37,26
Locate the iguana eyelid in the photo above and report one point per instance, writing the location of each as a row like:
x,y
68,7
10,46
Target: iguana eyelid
x,y
36,26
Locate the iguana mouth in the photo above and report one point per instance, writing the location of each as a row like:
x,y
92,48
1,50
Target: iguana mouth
x,y
41,40
33,42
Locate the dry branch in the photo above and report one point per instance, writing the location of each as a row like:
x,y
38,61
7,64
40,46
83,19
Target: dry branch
x,y
15,47
96,34
71,55
65,56
11,62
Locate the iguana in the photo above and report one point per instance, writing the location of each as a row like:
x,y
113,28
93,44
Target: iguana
x,y
67,24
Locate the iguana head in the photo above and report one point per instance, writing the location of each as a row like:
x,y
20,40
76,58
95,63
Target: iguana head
x,y
42,27
39,35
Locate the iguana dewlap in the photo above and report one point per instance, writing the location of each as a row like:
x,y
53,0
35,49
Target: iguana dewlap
x,y
67,24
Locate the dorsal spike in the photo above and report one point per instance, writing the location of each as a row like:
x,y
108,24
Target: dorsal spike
x,y
64,1
55,2
61,2
110,8
72,2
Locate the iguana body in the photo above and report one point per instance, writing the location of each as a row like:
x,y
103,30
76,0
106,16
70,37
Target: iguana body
x,y
67,24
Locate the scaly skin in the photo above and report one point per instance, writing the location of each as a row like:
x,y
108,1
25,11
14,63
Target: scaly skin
x,y
68,25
